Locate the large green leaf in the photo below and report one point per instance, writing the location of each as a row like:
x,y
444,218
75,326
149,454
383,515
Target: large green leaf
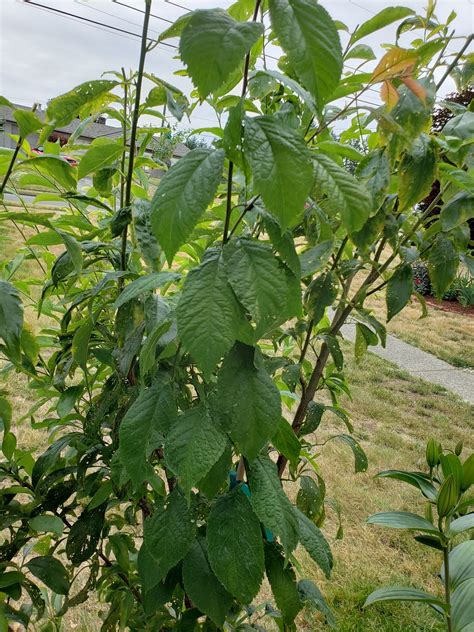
x,y
46,523
54,167
204,589
11,315
142,429
218,475
321,293
462,607
402,520
403,593
309,37
464,523
458,210
360,458
27,121
417,479
383,18
208,313
169,533
257,279
270,502
281,166
149,246
283,583
63,109
235,545
374,171
399,290
417,171
144,284
443,262
249,402
98,156
51,572
315,543
289,83
213,45
311,595
345,195
84,535
461,564
286,441
184,193
193,446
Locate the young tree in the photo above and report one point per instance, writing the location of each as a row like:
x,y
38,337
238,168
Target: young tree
x,y
190,347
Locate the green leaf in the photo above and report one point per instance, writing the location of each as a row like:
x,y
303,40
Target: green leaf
x,y
51,572
311,595
149,247
257,279
80,343
443,262
402,520
74,250
286,442
84,536
204,589
417,479
360,458
403,593
281,166
461,126
315,543
45,523
310,497
218,475
360,51
208,314
462,607
458,210
399,290
169,533
461,564
289,83
145,284
417,171
143,428
27,121
282,582
97,157
374,172
63,109
193,446
464,523
235,545
11,316
345,195
184,193
213,45
249,402
314,259
55,167
321,293
309,37
383,18
270,502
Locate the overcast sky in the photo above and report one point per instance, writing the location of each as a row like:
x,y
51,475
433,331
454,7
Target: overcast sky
x,y
43,54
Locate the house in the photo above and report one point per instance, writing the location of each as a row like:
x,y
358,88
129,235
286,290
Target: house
x,y
97,129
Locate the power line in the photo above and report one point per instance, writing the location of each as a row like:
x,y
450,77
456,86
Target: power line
x,y
152,15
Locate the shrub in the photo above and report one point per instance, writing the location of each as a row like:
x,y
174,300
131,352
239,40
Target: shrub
x,y
421,278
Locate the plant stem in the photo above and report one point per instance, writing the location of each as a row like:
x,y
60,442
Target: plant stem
x,y
133,134
124,136
19,143
454,62
447,590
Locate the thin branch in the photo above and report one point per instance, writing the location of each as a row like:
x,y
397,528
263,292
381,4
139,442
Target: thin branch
x,y
19,143
453,64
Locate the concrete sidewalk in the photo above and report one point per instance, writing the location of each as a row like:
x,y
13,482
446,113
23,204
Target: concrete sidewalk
x,y
422,364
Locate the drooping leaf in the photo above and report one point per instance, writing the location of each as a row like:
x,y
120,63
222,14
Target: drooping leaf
x,y
383,18
395,63
169,533
311,595
282,582
213,45
143,428
208,313
286,441
443,262
63,109
417,479
281,167
309,37
310,497
399,290
11,315
315,543
270,502
80,343
257,279
184,193
458,210
374,171
218,475
51,572
202,586
74,250
417,171
360,458
345,195
235,545
402,520
403,593
97,157
27,121
54,167
144,284
249,402
84,536
149,247
193,445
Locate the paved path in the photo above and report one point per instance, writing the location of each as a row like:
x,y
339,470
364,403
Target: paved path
x,y
422,364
